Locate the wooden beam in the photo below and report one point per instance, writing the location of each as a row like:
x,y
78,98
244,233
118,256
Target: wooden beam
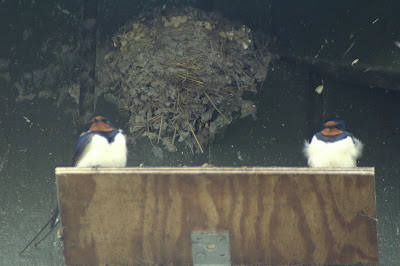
x,y
273,215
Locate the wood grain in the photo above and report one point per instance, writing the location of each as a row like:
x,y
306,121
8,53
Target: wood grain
x,y
273,215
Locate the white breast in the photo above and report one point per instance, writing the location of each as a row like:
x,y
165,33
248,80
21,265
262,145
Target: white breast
x,y
99,152
343,153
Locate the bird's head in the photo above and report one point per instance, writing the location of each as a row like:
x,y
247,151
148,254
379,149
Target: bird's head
x,y
102,124
333,127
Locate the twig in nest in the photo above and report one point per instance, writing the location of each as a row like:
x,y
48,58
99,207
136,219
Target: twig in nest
x,y
171,111
154,99
140,133
195,60
194,135
185,65
188,76
208,97
225,70
153,118
178,105
247,75
261,86
159,133
138,127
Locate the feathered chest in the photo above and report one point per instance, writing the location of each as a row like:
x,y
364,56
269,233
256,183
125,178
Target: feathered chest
x,y
101,149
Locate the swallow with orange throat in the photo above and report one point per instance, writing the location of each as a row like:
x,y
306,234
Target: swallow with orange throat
x,y
333,146
102,145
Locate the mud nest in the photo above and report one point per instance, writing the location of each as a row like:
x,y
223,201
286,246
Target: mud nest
x,y
181,73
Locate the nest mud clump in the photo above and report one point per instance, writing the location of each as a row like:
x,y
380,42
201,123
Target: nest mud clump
x,y
181,73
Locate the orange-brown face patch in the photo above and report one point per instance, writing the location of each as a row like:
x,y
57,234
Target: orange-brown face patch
x,y
97,124
331,124
331,131
96,118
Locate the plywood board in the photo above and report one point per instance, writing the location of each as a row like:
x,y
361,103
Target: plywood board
x,y
273,215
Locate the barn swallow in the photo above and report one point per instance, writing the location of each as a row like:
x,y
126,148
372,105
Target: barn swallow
x,y
333,146
101,146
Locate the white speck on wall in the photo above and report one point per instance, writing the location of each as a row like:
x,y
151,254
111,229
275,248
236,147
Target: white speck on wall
x,y
355,61
26,119
319,89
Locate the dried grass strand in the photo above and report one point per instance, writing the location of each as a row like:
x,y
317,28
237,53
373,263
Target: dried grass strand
x,y
194,135
216,108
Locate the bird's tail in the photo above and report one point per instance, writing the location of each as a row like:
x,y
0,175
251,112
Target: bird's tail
x,y
53,221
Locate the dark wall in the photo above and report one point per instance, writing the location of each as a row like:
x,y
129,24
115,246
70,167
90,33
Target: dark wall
x,y
40,83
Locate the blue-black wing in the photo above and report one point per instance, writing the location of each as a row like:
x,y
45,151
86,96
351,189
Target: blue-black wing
x,y
80,145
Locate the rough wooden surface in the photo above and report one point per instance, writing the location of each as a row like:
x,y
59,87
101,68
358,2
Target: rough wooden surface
x,y
273,215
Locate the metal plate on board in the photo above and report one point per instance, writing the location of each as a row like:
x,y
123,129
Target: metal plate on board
x,y
211,248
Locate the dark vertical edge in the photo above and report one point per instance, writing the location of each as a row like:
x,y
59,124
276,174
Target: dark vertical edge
x,y
315,104
100,38
87,51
